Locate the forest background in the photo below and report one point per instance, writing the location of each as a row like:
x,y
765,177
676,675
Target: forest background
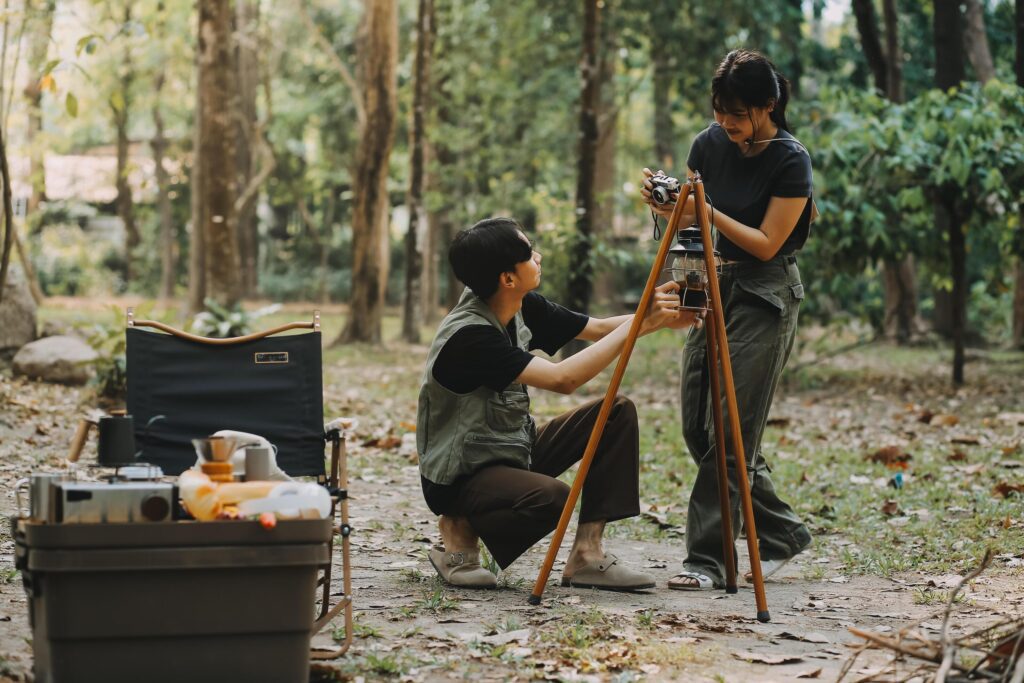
x,y
200,159
222,151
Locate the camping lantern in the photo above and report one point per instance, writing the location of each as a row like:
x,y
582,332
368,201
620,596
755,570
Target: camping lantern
x,y
687,267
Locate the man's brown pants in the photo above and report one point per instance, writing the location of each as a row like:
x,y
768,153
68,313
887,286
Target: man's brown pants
x,y
511,509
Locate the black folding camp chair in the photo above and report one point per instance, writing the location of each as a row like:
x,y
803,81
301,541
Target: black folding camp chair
x,y
264,383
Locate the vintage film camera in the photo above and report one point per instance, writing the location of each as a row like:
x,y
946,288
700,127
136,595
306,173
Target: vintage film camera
x,y
664,187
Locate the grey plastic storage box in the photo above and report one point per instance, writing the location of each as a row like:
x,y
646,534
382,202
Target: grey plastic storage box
x,y
177,601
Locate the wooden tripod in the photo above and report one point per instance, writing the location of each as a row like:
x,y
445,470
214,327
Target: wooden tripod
x,y
718,356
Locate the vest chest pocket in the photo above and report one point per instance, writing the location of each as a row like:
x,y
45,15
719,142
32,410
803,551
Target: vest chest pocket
x,y
508,412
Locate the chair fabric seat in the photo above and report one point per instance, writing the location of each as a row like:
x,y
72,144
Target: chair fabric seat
x,y
271,387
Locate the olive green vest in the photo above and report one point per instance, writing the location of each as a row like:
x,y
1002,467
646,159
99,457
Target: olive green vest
x,y
457,434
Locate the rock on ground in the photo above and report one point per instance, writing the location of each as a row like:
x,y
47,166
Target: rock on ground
x,y
63,360
17,312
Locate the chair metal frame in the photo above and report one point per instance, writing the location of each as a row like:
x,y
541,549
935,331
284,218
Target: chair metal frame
x,y
336,482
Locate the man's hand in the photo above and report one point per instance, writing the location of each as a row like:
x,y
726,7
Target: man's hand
x,y
665,209
664,308
687,319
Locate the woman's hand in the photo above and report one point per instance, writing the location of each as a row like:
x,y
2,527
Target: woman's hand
x,y
645,191
664,309
665,209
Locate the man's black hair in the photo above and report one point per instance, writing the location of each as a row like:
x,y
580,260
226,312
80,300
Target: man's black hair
x,y
480,254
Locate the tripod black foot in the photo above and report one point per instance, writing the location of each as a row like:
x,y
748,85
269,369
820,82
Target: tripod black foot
x,y
731,590
764,617
535,600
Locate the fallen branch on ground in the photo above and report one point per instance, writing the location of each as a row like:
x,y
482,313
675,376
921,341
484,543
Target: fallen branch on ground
x,y
992,653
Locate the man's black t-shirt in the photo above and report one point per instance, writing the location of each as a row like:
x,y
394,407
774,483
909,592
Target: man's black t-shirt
x,y
481,355
741,186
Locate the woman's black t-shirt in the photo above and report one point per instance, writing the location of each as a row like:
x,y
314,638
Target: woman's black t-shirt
x,y
480,355
741,186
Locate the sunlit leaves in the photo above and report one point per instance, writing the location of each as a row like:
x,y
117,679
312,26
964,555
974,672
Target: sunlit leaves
x,y
87,44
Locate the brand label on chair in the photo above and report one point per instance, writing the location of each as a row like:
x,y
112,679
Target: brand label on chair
x,y
271,357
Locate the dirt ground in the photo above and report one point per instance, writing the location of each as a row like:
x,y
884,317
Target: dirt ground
x,y
409,627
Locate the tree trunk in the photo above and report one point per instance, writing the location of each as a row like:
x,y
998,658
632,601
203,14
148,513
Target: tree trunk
x,y
948,37
454,286
580,265
867,26
1018,296
168,238
121,109
29,271
247,68
412,313
792,37
663,16
1018,299
216,154
604,163
958,266
430,292
8,211
197,243
39,37
378,48
976,41
949,72
899,282
899,277
331,205
893,52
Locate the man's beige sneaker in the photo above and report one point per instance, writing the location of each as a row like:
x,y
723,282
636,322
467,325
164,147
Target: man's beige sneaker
x,y
461,569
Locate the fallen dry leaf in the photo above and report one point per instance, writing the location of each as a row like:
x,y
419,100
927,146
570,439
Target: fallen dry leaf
x,y
890,456
891,508
383,442
810,673
520,636
944,420
966,440
944,581
765,658
813,637
957,456
1004,489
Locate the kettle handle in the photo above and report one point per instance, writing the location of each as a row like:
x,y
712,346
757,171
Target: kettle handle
x,y
77,443
18,486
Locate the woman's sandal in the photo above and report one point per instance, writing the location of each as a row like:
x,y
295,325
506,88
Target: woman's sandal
x,y
694,581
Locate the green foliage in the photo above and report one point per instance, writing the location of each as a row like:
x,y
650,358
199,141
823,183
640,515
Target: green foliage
x,y
71,262
220,322
880,167
108,339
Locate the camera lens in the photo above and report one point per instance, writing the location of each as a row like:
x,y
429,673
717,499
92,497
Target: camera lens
x,y
660,195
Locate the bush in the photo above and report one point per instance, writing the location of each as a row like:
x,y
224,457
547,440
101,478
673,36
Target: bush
x,y
218,321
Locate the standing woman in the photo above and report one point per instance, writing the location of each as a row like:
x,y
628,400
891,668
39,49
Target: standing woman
x,y
757,178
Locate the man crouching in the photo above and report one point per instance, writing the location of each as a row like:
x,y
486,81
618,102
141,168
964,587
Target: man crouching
x,y
486,469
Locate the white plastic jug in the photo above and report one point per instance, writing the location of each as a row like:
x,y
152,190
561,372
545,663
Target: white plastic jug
x,y
291,500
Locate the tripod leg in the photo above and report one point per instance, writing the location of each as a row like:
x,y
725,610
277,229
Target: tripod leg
x,y
700,203
728,544
609,397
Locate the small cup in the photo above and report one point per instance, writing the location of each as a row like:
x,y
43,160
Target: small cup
x,y
257,463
